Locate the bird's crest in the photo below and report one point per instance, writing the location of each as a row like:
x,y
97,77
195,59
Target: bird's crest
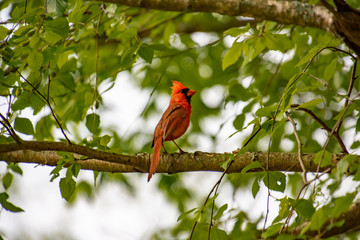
x,y
177,86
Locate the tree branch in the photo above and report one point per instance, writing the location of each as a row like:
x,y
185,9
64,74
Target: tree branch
x,y
285,12
44,153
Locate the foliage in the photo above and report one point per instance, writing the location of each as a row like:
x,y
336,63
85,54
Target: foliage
x,y
61,56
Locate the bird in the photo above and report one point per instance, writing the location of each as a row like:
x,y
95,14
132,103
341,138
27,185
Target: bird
x,y
173,123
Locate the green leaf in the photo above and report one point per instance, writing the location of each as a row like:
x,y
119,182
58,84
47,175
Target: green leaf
x,y
232,55
342,204
22,30
357,127
255,188
357,174
3,32
24,125
309,55
272,230
252,48
7,180
318,219
330,70
52,37
96,175
35,60
183,215
221,211
170,28
3,196
104,140
235,32
311,103
266,111
75,168
147,53
67,188
58,6
252,165
239,121
218,234
284,209
304,208
295,181
11,207
59,26
15,168
275,181
93,123
279,42
343,165
8,205
224,164
323,158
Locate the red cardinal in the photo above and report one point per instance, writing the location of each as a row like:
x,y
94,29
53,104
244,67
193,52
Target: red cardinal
x,y
173,123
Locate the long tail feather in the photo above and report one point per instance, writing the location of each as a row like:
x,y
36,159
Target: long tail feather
x,y
155,157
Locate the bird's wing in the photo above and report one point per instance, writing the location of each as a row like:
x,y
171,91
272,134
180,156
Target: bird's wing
x,y
173,119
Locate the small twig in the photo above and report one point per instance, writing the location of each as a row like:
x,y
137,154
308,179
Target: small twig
x,y
323,125
350,88
299,147
10,130
48,90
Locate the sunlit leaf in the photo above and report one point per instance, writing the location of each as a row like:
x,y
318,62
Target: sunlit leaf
x,y
311,103
232,55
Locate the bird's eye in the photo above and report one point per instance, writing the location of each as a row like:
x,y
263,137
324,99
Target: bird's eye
x,y
184,91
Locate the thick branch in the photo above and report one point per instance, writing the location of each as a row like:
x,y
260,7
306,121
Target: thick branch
x,y
285,12
45,153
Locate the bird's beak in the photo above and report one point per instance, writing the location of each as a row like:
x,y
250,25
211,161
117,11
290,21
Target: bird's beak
x,y
191,93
